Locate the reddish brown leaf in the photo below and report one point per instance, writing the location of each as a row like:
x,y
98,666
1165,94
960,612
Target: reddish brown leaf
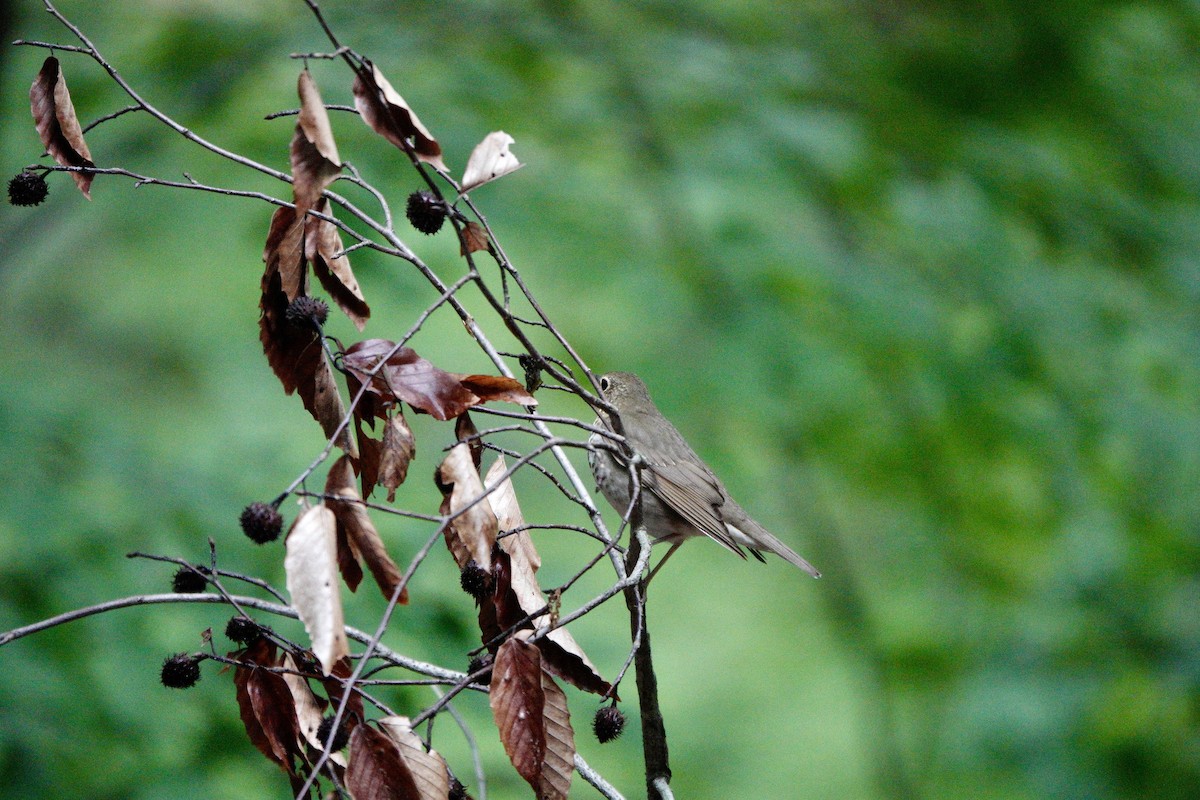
x,y
314,155
408,377
490,159
310,710
427,767
518,703
311,569
474,239
562,655
465,431
369,453
335,687
57,125
376,771
267,708
472,533
332,266
386,112
284,253
397,452
352,517
348,559
498,387
559,762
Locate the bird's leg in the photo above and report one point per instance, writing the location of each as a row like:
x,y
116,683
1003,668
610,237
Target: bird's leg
x,y
659,565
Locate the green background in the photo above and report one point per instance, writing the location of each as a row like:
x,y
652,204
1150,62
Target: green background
x,y
921,281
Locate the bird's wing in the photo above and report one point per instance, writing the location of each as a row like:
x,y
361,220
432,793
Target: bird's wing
x,y
695,493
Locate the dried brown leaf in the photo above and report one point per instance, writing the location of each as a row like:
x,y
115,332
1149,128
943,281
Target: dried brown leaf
x,y
490,159
472,533
267,708
518,703
284,253
428,768
559,761
352,517
474,239
387,113
376,771
335,687
369,453
314,155
54,116
498,387
465,431
399,447
312,572
310,709
332,266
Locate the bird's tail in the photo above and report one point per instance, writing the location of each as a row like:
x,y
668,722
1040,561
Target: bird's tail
x,y
759,538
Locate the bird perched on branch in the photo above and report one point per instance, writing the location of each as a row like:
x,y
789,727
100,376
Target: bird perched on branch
x,y
681,496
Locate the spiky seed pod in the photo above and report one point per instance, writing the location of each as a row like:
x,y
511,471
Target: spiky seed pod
x,y
262,522
181,671
189,580
478,663
475,581
608,724
425,211
339,739
243,630
457,790
27,189
307,312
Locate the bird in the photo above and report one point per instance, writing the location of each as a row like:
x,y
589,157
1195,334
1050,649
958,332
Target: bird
x,y
682,497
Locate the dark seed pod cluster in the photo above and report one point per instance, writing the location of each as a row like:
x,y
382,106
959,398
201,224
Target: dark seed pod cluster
x,y
475,580
608,724
262,522
27,189
181,671
426,212
305,312
339,739
243,630
189,580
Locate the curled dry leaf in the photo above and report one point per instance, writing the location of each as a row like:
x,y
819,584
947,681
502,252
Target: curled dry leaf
x,y
54,116
376,771
284,253
518,703
562,654
490,159
474,239
312,581
472,533
314,155
399,447
310,709
323,243
427,767
409,378
387,113
558,764
266,704
352,518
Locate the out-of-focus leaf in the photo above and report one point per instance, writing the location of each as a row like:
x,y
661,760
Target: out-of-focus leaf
x,y
428,768
518,703
312,581
267,708
474,239
332,267
376,771
472,533
314,155
352,517
490,159
397,452
54,116
558,764
387,113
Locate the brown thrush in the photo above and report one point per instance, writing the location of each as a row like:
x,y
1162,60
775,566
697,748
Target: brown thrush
x,y
681,496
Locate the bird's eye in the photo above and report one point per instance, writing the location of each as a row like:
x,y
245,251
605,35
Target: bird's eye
x,y
604,384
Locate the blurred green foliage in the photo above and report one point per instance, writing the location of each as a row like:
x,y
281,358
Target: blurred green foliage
x,y
921,280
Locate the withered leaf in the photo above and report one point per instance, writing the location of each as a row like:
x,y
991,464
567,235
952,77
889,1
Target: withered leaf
x,y
335,689
472,533
352,517
323,244
267,709
518,702
376,771
309,709
474,239
387,113
559,762
562,654
314,155
408,377
311,569
399,447
56,123
465,431
490,159
427,767
369,452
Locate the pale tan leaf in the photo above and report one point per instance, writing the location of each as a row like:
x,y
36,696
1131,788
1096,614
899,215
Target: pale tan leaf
x,y
559,761
314,155
323,244
309,709
472,533
387,113
352,517
376,771
490,159
399,447
312,581
518,702
428,768
54,116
